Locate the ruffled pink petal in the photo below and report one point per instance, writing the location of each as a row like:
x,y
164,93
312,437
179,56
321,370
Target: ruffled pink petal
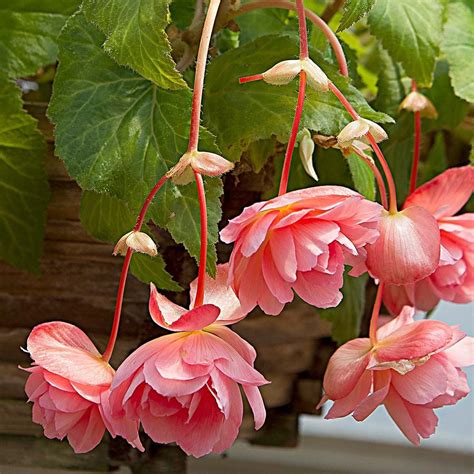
x,y
88,433
237,224
238,370
413,341
345,406
65,350
240,345
346,367
444,195
382,381
405,317
64,422
408,247
280,288
175,318
203,348
423,418
423,384
220,294
461,354
90,392
257,233
67,401
284,255
255,400
58,381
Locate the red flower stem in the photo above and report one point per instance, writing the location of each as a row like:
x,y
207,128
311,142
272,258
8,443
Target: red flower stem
x,y
375,314
392,190
255,77
203,252
285,174
125,267
315,19
200,72
416,145
377,174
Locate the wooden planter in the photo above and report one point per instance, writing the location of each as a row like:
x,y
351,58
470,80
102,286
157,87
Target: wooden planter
x,y
78,281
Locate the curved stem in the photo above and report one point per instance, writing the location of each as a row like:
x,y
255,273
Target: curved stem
x,y
315,19
303,33
200,72
416,145
375,314
203,252
377,174
125,267
386,169
285,174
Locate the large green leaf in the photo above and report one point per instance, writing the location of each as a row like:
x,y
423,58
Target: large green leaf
x,y
24,192
354,10
411,33
119,133
107,218
28,32
136,36
362,176
346,317
241,114
458,46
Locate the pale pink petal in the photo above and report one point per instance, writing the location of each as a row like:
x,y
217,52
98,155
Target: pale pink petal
x,y
381,388
65,350
203,348
444,195
257,233
88,433
345,406
237,224
408,247
461,354
175,318
423,418
220,294
90,392
58,381
283,251
345,368
280,288
240,371
240,345
255,400
67,401
405,317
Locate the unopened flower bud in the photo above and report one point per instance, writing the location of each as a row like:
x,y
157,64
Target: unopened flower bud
x,y
138,242
317,79
282,73
306,149
417,102
358,129
206,163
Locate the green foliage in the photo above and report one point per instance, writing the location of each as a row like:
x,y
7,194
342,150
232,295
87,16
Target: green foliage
x,y
411,32
136,37
107,218
119,133
28,31
24,192
436,161
354,10
346,317
362,176
458,46
182,13
240,114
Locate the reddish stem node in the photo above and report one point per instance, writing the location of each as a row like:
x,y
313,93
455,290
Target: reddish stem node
x,y
375,314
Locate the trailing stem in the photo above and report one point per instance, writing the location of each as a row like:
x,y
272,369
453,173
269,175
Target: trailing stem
x,y
416,145
375,314
378,152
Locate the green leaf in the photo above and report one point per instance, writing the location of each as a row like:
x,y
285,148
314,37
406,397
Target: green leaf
x,y
119,133
241,114
24,191
451,109
362,176
458,46
354,10
258,152
411,32
107,218
136,37
182,13
436,161
28,32
346,317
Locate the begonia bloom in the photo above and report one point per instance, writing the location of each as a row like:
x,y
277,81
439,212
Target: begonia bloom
x,y
184,387
298,241
453,278
414,368
69,385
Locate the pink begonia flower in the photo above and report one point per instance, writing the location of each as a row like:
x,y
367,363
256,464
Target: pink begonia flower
x,y
298,241
69,385
453,280
184,387
414,368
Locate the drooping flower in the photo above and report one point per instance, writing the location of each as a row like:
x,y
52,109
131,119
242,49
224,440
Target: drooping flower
x,y
357,131
69,385
184,387
138,242
453,279
417,102
298,241
306,151
414,368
